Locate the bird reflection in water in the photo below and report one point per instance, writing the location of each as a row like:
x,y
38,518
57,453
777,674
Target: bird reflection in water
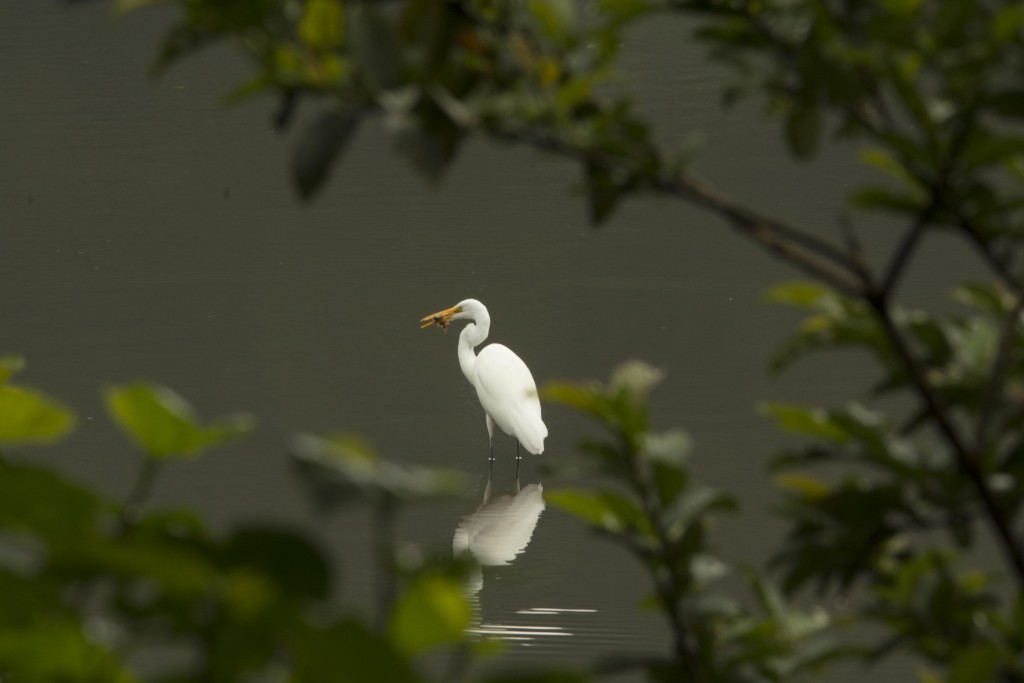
x,y
495,534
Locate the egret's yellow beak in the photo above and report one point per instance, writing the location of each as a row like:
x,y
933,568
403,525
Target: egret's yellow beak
x,y
442,318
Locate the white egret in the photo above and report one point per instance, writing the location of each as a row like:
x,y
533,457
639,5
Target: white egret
x,y
503,383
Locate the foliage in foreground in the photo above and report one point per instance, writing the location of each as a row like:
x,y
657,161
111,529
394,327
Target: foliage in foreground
x,y
96,590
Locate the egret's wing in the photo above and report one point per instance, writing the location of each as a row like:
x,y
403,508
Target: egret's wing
x,y
509,394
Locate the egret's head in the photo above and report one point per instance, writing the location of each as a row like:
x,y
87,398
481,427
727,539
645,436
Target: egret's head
x,y
464,310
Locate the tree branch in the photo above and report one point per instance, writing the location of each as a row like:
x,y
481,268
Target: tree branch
x,y
813,255
1009,542
983,248
901,258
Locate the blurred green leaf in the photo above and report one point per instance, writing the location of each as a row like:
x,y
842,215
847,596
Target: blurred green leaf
x,y
294,564
37,500
54,649
603,193
809,295
554,676
984,297
322,25
603,509
693,505
341,470
838,321
348,651
432,612
977,664
806,485
622,11
672,447
635,377
586,398
1009,103
375,47
10,365
804,420
319,148
29,417
887,199
165,426
555,18
429,138
125,6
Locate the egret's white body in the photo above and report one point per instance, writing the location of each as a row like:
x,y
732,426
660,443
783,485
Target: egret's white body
x,y
503,383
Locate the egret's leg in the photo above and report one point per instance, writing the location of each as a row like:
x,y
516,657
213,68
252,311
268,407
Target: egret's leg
x,y
518,459
490,435
487,488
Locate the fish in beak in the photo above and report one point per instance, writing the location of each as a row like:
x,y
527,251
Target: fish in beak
x,y
442,318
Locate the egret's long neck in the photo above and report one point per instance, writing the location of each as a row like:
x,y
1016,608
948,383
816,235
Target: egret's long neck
x,y
472,336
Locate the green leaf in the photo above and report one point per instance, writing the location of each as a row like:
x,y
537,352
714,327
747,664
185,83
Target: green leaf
x,y
603,192
555,18
126,6
429,138
804,420
375,47
977,664
1007,23
322,25
803,129
41,502
887,199
295,565
604,509
343,469
1009,103
57,649
348,651
672,447
551,676
694,505
319,148
806,295
29,417
432,612
840,321
10,365
804,484
884,162
984,148
584,397
902,77
984,297
635,377
623,11
160,421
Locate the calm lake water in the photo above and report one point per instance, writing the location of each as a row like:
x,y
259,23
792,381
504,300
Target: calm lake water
x,y
147,231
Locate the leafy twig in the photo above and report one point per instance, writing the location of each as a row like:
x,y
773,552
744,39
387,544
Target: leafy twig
x,y
1010,544
996,378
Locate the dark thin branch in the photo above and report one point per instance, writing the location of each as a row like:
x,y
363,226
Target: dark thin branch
x,y
1001,268
855,249
898,264
938,191
667,588
813,255
789,243
994,514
